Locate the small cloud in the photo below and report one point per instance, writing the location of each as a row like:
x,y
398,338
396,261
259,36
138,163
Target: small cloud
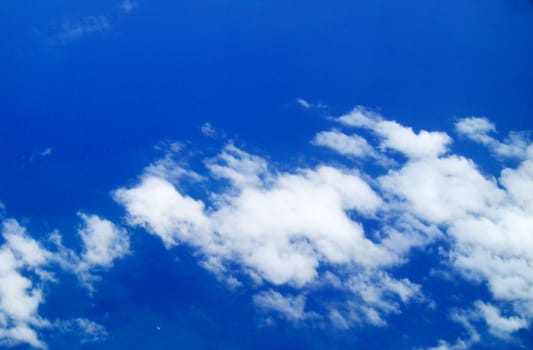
x,y
41,154
87,330
103,243
208,130
72,31
127,6
308,105
303,103
499,325
291,308
46,152
480,129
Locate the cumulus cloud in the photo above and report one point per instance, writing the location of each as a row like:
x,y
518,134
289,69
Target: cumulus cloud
x,y
156,205
27,266
480,130
349,145
397,137
103,243
289,231
269,223
308,227
20,297
281,228
489,221
475,128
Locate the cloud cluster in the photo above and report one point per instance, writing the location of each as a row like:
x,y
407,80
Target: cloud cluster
x,y
290,233
26,266
308,228
488,220
279,226
301,229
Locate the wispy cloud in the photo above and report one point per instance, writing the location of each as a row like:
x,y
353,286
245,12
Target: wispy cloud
x,y
292,308
127,6
79,29
46,152
84,329
480,129
208,130
308,105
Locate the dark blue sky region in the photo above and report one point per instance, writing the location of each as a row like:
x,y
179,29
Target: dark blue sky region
x,y
94,92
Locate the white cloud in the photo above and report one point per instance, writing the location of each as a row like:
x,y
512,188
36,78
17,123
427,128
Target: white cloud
x,y
442,190
498,324
303,103
76,30
103,242
169,168
240,168
488,221
85,330
349,145
292,308
304,228
281,227
308,105
25,248
156,205
489,225
397,137
26,268
127,6
374,294
46,152
208,130
20,298
479,130
475,128
472,337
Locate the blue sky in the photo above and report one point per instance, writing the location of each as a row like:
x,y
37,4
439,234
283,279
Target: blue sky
x,y
266,174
